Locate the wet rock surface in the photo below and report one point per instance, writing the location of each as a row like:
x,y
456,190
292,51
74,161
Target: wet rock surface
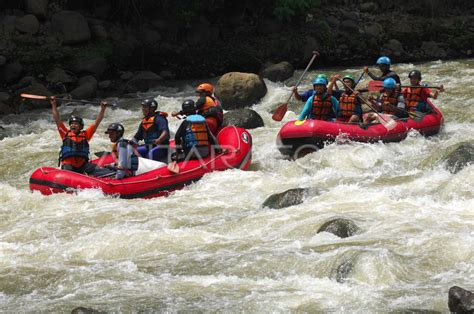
x,y
287,198
341,227
244,118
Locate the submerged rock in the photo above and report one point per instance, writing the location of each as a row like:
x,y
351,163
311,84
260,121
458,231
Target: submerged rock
x,y
285,199
239,90
244,118
341,227
460,300
460,157
85,310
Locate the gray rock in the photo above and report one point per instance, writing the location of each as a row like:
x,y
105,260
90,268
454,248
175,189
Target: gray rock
x,y
432,49
10,72
9,23
4,97
343,270
460,300
86,310
340,227
150,36
5,109
97,29
310,46
278,72
3,61
37,7
244,118
59,75
126,76
71,27
332,21
95,66
368,7
167,75
87,79
239,90
103,85
27,24
85,91
374,30
350,26
393,47
285,199
143,81
462,156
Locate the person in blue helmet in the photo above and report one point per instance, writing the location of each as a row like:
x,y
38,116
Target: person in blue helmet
x,y
308,93
154,131
390,102
322,105
383,63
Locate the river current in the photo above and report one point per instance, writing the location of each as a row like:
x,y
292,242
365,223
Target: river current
x,y
213,247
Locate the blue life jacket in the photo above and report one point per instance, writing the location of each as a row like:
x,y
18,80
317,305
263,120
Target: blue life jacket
x,y
74,146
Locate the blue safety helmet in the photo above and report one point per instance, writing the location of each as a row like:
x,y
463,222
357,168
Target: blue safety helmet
x,y
319,81
383,60
389,83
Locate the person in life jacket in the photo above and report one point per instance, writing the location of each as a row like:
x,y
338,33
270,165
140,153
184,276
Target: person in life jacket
x,y
124,152
74,154
154,131
322,105
416,95
390,102
350,109
310,92
383,63
209,107
193,138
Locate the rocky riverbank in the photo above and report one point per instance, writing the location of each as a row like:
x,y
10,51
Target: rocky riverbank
x,y
83,49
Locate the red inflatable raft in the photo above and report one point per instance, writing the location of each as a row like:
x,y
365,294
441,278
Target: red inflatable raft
x,y
156,182
301,136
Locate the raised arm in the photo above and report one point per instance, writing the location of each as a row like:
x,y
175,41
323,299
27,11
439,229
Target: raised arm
x,y
54,106
100,116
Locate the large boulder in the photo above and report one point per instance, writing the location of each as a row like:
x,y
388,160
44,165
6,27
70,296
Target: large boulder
x,y
85,91
432,49
285,199
5,109
27,24
198,34
374,30
59,75
97,29
462,156
11,72
71,27
37,7
95,66
244,118
278,72
460,300
143,81
340,227
35,88
3,60
393,48
239,90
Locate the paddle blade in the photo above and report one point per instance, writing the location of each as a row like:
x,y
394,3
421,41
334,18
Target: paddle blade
x,y
387,121
280,112
375,86
30,96
173,167
416,115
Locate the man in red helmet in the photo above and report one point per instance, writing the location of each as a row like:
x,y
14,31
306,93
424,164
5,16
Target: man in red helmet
x,y
74,154
209,107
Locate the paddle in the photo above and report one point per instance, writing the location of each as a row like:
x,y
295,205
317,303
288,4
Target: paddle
x,y
387,121
281,110
360,78
173,167
376,86
40,97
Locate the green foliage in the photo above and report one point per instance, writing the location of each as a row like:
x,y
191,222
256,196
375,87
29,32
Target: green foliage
x,y
287,9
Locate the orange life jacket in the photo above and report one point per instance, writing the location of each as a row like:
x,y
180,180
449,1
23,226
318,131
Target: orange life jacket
x,y
389,104
150,131
347,105
322,107
149,122
212,108
196,132
413,97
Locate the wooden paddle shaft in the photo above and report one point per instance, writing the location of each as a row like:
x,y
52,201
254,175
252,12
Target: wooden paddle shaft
x,y
315,54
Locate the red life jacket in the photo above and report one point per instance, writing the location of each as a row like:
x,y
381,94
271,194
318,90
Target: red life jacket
x,y
322,107
347,105
389,104
413,97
